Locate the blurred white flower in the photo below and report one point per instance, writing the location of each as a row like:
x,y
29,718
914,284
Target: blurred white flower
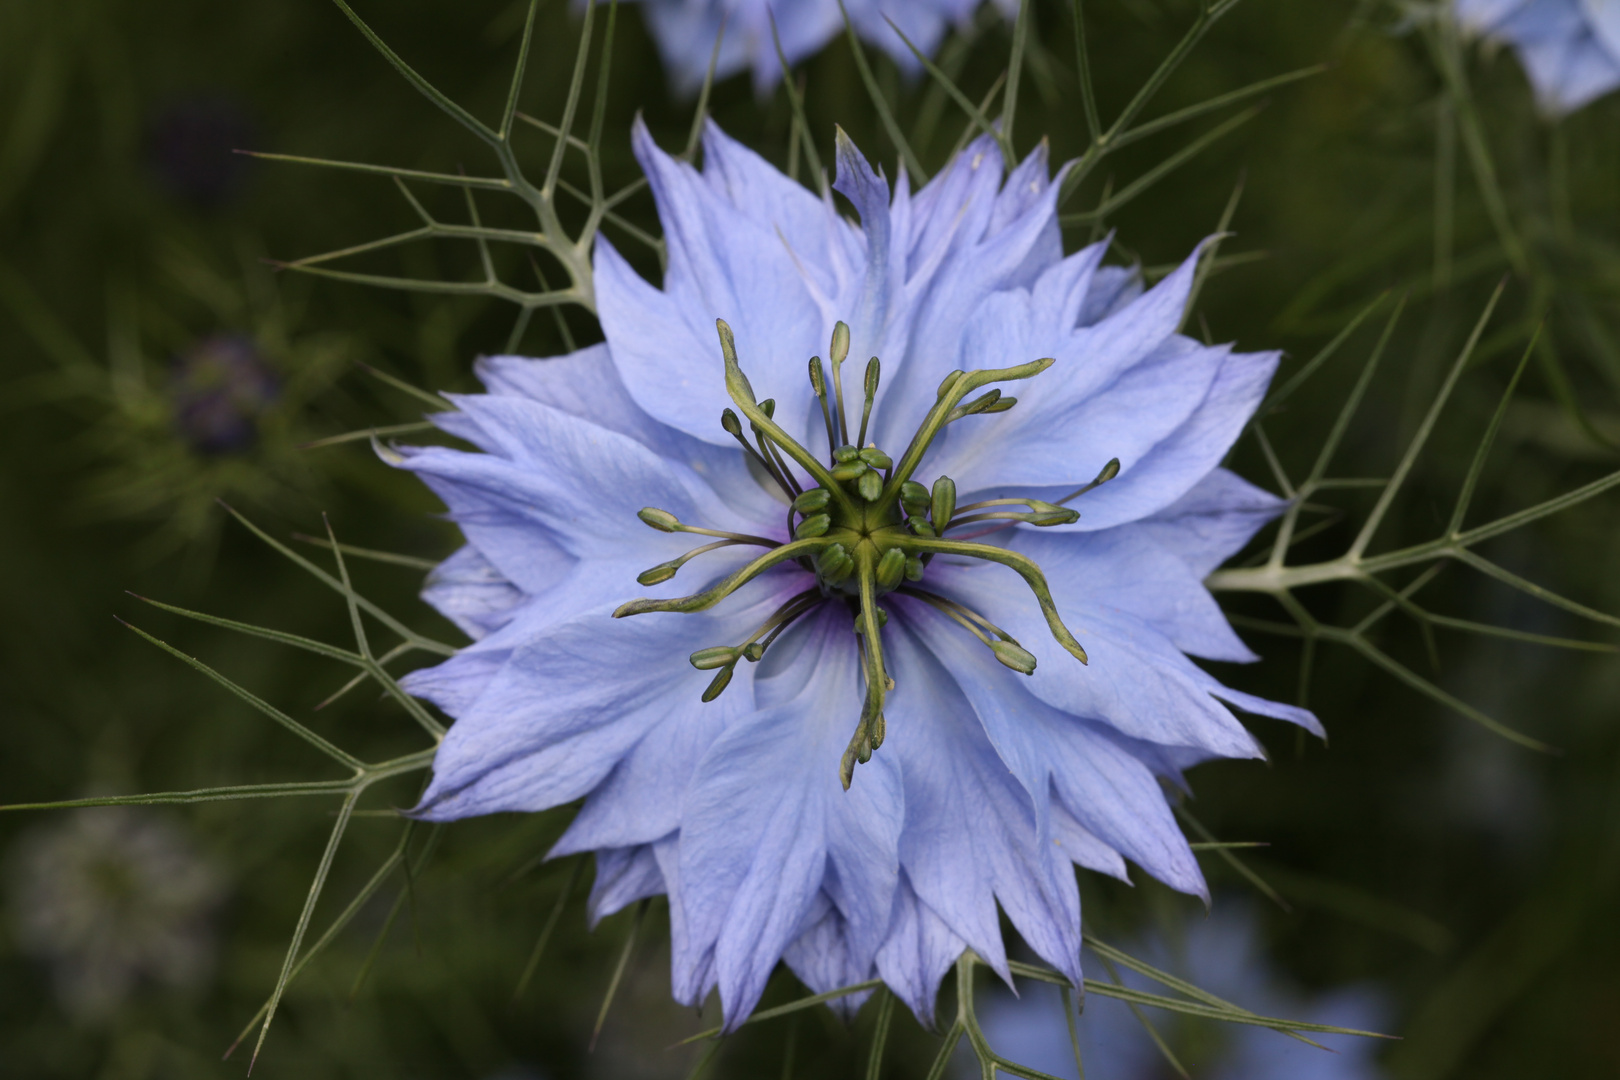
x,y
110,899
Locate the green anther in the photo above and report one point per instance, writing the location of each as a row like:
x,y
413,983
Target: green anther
x,y
812,527
849,471
876,458
768,407
870,485
837,353
880,728
811,501
1060,516
948,383
914,498
846,454
980,404
1000,405
943,503
914,568
1014,656
920,526
711,658
753,651
818,383
873,368
840,344
838,574
717,686
732,426
882,618
662,520
834,565
659,574
891,569
1109,471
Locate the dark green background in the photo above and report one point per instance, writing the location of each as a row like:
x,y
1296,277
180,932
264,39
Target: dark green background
x,y
1470,879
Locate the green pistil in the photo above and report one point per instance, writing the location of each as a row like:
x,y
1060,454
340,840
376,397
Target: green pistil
x,y
863,527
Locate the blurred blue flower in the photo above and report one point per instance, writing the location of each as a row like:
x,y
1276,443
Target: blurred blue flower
x,y
1222,955
686,31
1570,48
995,775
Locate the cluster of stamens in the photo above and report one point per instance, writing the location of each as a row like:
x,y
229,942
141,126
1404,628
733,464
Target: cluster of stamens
x,y
864,528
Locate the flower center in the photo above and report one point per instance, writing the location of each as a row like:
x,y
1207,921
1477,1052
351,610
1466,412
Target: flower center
x,y
864,527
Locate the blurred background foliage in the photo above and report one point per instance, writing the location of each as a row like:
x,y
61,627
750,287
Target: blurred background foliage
x,y
152,359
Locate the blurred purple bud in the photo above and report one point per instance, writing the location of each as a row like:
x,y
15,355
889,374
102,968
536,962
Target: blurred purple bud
x,y
191,148
219,388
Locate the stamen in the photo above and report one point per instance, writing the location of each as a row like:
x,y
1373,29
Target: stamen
x,y
661,573
743,395
664,521
1025,568
725,657
1042,518
1005,647
1044,513
873,371
818,383
956,386
733,427
836,353
705,600
1109,471
992,402
781,472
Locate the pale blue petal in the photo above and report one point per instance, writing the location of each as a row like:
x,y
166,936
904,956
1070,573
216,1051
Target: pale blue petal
x,y
1110,793
640,800
725,261
919,950
822,957
691,964
766,826
1118,389
587,385
468,590
1603,17
869,192
970,837
1083,847
995,241
1137,682
1212,522
1125,568
574,700
623,876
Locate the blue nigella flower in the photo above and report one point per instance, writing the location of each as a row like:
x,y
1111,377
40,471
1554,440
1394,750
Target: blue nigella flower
x,y
1570,48
913,617
686,31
